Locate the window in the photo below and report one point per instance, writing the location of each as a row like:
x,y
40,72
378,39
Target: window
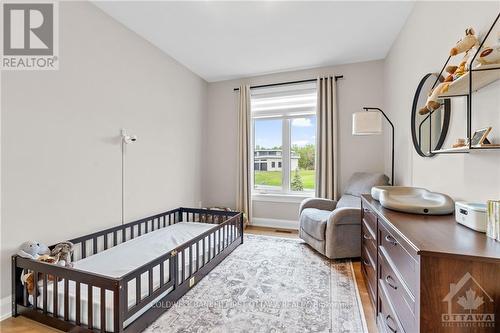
x,y
284,139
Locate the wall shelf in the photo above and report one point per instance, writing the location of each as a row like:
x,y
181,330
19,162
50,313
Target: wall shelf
x,y
481,77
459,150
465,150
472,81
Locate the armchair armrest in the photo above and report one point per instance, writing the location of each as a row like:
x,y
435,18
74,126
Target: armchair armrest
x,y
318,203
345,215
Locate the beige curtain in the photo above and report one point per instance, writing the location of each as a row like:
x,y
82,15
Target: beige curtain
x,y
243,195
326,162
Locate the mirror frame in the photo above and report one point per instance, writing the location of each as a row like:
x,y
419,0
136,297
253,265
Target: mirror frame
x,y
414,110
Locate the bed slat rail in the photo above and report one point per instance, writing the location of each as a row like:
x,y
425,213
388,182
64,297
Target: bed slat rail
x,y
100,241
65,286
71,297
178,266
135,277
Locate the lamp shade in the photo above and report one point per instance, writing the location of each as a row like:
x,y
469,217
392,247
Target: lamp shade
x,y
366,123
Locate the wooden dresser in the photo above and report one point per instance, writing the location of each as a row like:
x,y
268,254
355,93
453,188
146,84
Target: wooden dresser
x,y
428,273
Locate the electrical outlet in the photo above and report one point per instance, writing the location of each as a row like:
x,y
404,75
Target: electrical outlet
x,y
191,282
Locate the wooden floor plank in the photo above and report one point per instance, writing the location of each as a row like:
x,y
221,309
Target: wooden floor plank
x,y
24,325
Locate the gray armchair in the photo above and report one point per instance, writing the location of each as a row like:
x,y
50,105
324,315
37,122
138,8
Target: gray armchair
x,y
334,228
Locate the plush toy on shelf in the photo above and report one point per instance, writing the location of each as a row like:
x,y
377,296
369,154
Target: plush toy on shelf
x,y
467,44
490,55
432,101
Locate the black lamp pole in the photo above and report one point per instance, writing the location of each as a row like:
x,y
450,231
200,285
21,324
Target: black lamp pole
x,y
392,126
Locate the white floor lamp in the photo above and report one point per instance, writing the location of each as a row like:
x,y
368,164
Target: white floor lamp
x,y
370,123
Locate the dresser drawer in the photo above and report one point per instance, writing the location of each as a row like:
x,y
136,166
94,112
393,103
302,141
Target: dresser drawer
x,y
368,239
400,297
370,218
397,252
368,267
387,321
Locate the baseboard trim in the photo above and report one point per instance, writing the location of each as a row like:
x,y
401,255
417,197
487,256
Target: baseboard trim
x,y
5,308
275,223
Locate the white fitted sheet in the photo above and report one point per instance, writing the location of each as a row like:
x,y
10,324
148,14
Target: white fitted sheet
x,y
124,258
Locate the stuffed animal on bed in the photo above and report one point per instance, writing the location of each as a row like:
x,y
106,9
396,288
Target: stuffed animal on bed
x,y
33,249
63,252
27,276
467,44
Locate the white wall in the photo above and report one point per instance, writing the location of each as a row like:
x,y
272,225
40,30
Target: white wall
x,y
362,86
60,146
422,48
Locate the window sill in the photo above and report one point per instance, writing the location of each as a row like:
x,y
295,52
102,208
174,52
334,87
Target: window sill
x,y
281,197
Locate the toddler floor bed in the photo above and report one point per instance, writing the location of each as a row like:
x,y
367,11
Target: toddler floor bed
x,y
126,276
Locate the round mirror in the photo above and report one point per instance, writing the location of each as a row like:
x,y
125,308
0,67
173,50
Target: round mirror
x,y
429,130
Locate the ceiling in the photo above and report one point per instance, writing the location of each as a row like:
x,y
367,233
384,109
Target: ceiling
x,y
227,40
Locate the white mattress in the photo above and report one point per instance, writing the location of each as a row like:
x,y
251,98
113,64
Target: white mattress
x,y
122,259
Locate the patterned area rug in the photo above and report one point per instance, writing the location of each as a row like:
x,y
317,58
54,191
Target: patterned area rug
x,y
270,284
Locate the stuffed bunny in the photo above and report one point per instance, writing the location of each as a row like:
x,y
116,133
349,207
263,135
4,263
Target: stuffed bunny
x,y
32,249
63,252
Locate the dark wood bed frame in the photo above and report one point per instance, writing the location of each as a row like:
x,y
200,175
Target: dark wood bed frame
x,y
229,229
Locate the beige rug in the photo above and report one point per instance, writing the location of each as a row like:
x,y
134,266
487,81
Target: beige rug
x,y
270,284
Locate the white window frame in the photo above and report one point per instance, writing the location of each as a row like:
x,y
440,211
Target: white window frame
x,y
286,145
287,102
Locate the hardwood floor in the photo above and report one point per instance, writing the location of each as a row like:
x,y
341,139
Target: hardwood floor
x,y
24,325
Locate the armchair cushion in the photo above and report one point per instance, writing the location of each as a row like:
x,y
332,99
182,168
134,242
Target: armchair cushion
x,y
344,215
313,221
318,203
348,200
362,182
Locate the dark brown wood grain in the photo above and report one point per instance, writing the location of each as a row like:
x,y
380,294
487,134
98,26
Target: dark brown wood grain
x,y
436,276
438,235
424,257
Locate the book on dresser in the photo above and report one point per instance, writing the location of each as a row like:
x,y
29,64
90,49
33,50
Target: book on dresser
x,y
428,273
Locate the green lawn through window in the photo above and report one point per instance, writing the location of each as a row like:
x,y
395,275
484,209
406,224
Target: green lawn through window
x,y
273,178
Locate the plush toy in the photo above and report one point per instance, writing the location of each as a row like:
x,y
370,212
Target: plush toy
x,y
467,44
63,252
490,54
432,101
32,249
28,278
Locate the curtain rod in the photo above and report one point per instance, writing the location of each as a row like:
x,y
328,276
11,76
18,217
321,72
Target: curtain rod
x,y
337,77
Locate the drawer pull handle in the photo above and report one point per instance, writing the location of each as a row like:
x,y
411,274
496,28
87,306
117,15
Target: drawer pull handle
x,y
387,319
388,280
365,261
368,237
391,240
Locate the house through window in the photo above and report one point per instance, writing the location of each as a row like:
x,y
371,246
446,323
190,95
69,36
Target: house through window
x,y
284,138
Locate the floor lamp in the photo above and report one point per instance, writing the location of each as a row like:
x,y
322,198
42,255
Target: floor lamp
x,y
369,122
